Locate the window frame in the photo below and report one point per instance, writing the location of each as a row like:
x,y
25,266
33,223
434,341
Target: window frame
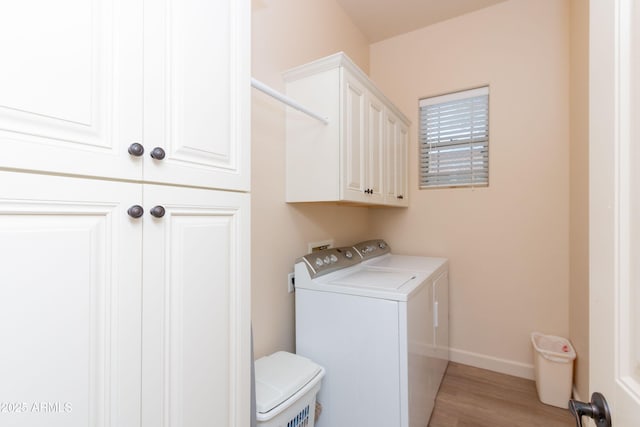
x,y
477,145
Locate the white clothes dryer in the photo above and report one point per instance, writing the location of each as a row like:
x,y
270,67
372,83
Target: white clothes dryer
x,y
372,327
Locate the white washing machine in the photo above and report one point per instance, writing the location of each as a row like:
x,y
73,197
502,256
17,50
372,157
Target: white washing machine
x,y
377,322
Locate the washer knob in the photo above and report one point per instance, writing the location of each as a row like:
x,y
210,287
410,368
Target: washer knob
x,y
382,245
348,254
319,262
334,258
327,260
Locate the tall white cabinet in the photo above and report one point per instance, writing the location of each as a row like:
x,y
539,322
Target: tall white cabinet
x,y
124,213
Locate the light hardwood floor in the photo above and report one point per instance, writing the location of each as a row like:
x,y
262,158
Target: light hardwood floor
x,y
472,397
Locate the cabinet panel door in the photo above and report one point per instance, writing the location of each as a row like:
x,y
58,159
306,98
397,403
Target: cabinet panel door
x,y
396,152
375,149
354,146
196,85
401,164
391,136
196,358
70,86
71,299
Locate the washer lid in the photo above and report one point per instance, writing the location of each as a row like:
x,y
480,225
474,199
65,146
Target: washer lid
x,y
279,376
375,279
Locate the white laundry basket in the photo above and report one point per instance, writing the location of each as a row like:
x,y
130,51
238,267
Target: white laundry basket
x,y
286,389
554,358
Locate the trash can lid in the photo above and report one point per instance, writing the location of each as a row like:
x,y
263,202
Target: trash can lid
x,y
552,347
279,376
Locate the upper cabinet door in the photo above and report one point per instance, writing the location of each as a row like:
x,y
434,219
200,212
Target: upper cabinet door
x,y
396,152
401,158
70,86
354,148
390,173
375,149
196,85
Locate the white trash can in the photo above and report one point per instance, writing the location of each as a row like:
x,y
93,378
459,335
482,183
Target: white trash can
x,y
554,358
286,389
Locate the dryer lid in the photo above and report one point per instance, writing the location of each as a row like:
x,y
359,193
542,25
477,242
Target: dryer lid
x,y
279,376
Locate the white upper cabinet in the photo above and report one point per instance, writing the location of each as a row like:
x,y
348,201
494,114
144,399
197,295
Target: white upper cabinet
x,y
70,86
361,155
196,87
82,81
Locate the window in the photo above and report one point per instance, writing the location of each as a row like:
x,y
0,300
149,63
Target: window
x,y
454,139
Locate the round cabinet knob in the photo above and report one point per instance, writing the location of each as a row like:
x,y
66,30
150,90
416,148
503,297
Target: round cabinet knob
x,y
158,153
135,211
157,211
136,149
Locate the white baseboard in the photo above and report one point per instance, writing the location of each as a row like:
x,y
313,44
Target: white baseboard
x,y
490,363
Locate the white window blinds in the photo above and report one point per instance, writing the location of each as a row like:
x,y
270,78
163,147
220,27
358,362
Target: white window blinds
x,y
454,139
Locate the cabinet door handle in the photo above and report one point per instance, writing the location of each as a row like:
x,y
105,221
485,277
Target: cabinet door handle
x,y
135,211
157,211
136,149
401,197
157,153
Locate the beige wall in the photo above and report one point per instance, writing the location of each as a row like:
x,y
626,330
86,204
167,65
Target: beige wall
x,y
508,244
579,200
287,33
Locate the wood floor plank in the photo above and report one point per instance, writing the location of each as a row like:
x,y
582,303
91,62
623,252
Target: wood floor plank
x,y
473,397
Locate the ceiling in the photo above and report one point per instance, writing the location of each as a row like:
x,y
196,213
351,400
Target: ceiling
x,y
381,19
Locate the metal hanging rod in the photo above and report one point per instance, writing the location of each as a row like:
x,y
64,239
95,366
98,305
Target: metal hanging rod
x,y
285,99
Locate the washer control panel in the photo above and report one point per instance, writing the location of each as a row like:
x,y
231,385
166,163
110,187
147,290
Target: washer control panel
x,y
372,248
332,259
